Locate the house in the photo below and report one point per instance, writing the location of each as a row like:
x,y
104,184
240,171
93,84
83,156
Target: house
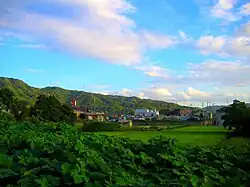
x,y
182,112
97,116
218,118
146,113
79,110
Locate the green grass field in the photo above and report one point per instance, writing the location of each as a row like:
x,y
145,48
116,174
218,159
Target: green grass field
x,y
193,135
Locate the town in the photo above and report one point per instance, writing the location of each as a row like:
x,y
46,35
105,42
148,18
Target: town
x,y
208,116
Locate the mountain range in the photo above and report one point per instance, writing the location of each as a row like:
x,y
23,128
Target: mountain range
x,y
107,103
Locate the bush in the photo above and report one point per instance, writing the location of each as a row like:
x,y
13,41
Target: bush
x,y
97,126
6,116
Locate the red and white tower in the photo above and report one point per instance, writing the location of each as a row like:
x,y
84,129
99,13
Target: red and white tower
x,y
73,102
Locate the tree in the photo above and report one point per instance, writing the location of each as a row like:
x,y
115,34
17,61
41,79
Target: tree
x,y
237,115
20,110
68,115
6,97
48,108
165,112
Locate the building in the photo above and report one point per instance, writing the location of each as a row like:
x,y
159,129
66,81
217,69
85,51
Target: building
x,y
218,118
182,112
97,116
146,113
79,110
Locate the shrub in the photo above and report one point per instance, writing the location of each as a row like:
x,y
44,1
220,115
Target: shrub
x,y
6,116
95,126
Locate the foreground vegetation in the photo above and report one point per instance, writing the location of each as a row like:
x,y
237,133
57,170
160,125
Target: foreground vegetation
x,y
61,155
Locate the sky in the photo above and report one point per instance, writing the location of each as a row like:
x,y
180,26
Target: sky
x,y
177,51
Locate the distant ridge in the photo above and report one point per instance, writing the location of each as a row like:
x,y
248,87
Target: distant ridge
x,y
107,103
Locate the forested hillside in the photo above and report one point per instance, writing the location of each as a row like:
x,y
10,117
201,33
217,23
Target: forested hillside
x,y
108,103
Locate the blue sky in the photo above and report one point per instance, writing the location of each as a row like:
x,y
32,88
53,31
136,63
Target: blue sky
x,y
181,51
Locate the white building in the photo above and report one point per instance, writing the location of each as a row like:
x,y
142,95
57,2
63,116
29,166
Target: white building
x,y
146,113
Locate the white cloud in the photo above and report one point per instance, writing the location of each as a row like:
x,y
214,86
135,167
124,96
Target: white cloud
x,y
223,73
192,94
183,35
156,40
211,73
32,46
33,70
211,44
245,9
153,70
224,45
99,29
244,30
188,96
226,10
223,10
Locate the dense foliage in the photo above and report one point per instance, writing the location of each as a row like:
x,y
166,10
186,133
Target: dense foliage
x,y
59,155
237,115
48,108
96,126
8,102
107,103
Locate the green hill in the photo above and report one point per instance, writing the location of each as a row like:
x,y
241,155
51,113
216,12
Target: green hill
x,y
107,103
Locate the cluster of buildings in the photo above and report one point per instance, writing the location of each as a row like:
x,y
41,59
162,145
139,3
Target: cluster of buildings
x,y
210,116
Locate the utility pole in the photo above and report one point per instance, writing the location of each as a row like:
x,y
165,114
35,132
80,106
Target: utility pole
x,y
94,104
203,116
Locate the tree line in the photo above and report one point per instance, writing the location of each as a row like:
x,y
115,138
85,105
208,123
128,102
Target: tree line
x,y
46,108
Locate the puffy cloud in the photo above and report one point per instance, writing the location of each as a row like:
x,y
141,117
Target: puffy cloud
x,y
211,44
153,40
244,30
188,96
98,28
220,72
245,9
192,94
125,92
222,45
153,70
223,10
211,73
